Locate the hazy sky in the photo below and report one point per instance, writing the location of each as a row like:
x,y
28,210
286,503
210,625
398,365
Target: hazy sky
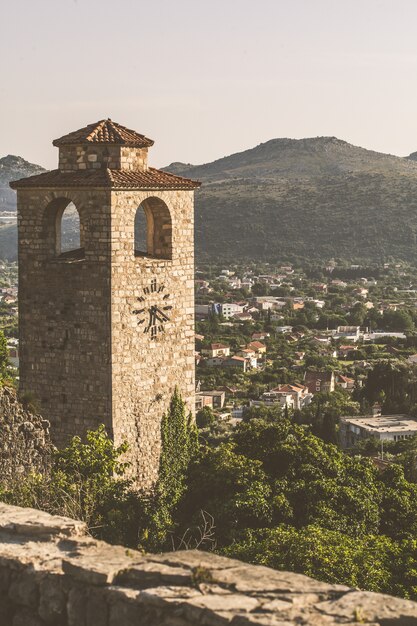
x,y
206,78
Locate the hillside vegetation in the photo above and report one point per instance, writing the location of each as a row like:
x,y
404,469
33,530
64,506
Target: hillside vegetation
x,y
315,198
285,199
11,168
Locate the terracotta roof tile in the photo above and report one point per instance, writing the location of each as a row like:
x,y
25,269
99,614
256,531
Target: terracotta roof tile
x,y
114,179
256,344
105,131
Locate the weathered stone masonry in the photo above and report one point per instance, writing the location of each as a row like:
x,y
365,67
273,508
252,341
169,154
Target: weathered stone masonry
x,y
51,573
87,352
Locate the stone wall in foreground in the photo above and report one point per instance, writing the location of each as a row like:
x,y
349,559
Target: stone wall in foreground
x,y
25,444
52,573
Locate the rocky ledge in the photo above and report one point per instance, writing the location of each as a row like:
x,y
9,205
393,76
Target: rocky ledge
x,y
51,572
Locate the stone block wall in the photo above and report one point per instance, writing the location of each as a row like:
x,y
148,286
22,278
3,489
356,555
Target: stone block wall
x,y
145,371
85,352
94,156
25,445
51,573
64,311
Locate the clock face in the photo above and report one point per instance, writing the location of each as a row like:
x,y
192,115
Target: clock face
x,y
155,309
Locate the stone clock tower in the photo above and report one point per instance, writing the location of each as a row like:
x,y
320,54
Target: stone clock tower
x,y
107,327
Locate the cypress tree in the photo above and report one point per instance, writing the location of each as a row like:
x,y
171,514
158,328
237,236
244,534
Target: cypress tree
x,y
179,445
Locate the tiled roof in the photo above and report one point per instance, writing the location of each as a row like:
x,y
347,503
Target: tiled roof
x,y
256,344
105,131
311,377
114,179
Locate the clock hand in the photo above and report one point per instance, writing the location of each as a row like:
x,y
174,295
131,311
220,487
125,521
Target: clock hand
x,y
152,320
160,315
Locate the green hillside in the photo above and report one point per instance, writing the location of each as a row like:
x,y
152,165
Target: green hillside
x,y
286,198
310,198
11,168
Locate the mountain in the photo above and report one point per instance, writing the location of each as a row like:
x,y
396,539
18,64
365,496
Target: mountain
x,y
312,198
295,158
11,168
309,198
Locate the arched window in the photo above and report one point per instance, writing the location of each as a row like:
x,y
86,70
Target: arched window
x,y
141,232
64,232
153,230
70,235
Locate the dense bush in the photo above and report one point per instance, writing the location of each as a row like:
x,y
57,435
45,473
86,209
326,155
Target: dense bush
x,y
271,493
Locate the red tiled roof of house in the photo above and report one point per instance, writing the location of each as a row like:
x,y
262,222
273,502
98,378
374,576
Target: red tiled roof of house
x,y
282,388
113,179
346,379
312,376
105,131
290,388
298,386
256,344
218,346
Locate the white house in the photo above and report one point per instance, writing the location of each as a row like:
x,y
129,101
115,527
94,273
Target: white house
x,y
229,309
381,427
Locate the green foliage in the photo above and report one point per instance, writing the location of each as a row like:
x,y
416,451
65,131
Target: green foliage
x,y
274,472
86,482
205,417
393,382
327,555
4,355
179,445
231,487
397,321
278,495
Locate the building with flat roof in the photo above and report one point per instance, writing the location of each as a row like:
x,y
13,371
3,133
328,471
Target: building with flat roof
x,y
381,427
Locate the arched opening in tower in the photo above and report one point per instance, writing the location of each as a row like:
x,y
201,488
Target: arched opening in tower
x,y
64,230
70,230
141,232
153,230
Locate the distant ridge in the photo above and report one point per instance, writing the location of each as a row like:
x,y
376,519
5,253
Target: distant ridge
x,y
315,156
310,198
306,198
12,167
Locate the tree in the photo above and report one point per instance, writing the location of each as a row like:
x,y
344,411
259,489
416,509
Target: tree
x,y
323,554
232,488
397,320
86,481
4,355
260,289
179,446
358,314
205,417
393,380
